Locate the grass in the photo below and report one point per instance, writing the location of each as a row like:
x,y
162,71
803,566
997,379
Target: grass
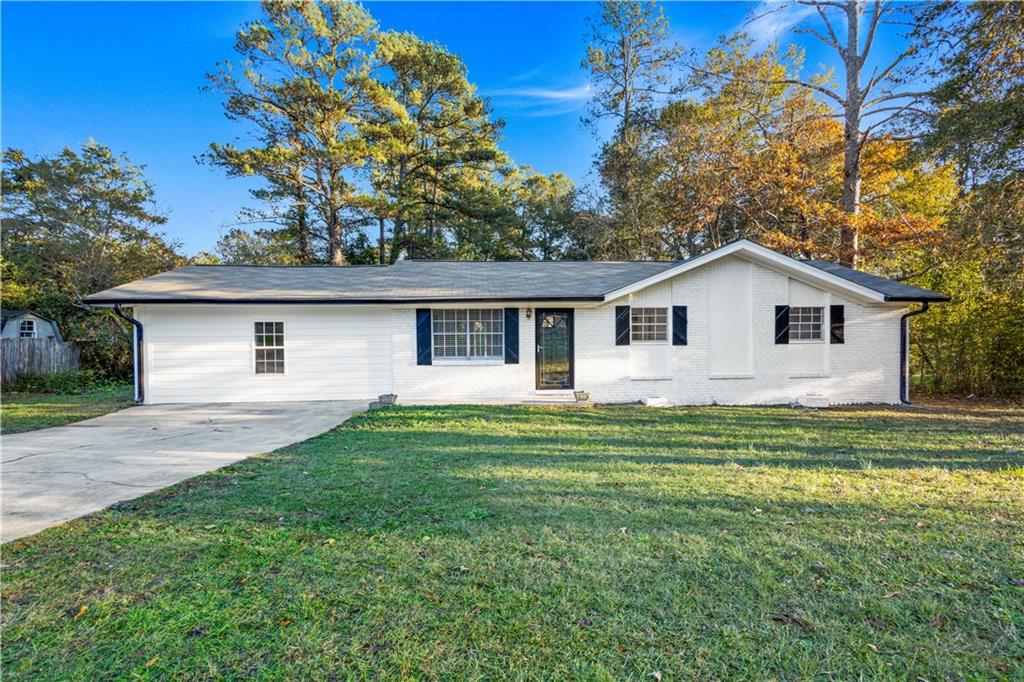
x,y
554,543
30,411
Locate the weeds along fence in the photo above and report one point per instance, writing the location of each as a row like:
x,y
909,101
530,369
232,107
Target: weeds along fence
x,y
27,357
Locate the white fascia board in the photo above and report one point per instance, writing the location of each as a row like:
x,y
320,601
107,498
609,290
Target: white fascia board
x,y
759,254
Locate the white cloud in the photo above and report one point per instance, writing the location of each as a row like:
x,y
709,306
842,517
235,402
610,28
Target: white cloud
x,y
544,101
527,75
770,21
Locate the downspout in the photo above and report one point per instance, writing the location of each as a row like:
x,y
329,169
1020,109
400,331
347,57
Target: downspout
x,y
140,395
905,351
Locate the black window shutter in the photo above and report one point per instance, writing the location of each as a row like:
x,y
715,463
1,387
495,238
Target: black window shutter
x,y
782,324
679,325
622,325
423,352
511,336
837,324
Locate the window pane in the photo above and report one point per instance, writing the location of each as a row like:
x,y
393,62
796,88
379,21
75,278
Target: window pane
x,y
269,352
805,323
649,324
468,334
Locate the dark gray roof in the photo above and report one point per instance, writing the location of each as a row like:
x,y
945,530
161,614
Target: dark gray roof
x,y
893,290
403,282
428,282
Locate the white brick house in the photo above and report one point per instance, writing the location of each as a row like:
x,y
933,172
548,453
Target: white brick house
x,y
739,325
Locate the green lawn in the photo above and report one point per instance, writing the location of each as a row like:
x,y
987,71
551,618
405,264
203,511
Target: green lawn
x,y
31,411
556,543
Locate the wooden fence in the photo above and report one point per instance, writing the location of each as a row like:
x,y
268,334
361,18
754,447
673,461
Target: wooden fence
x,y
20,357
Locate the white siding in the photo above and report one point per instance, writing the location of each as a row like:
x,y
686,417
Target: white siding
x,y
461,382
198,353
204,353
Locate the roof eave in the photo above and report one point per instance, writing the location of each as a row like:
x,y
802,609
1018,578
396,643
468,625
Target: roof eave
x,y
765,256
934,298
345,301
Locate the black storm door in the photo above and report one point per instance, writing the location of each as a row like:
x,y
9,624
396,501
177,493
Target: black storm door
x,y
554,348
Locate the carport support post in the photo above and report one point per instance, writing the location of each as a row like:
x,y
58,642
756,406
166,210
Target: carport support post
x,y
136,353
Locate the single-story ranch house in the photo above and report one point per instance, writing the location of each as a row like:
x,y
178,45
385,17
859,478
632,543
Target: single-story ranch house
x,y
739,325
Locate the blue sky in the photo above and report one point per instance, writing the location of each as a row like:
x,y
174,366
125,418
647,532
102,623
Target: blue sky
x,y
130,76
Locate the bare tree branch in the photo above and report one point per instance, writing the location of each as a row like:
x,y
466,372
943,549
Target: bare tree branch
x,y
876,16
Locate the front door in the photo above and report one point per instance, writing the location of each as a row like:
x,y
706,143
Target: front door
x,y
554,348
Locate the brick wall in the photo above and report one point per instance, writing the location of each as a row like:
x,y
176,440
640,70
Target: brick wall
x,y
864,369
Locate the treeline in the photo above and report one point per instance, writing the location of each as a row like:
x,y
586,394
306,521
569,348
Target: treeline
x,y
74,224
375,145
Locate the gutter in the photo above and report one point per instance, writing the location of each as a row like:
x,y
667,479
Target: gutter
x,y
140,395
919,299
905,352
345,301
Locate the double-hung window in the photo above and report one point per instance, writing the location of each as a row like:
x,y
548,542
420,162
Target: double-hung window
x,y
269,347
27,329
473,334
648,324
805,324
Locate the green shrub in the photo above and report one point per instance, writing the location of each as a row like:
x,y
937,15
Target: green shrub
x,y
66,383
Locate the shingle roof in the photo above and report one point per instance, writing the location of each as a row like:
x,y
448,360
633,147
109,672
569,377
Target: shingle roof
x,y
434,282
893,290
405,282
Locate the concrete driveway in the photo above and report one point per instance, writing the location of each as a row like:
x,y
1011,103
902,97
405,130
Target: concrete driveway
x,y
54,475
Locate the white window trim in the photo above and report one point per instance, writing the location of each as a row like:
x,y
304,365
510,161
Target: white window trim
x,y
253,347
476,361
651,342
35,330
821,329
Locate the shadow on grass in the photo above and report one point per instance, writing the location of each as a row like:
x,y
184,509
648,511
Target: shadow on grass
x,y
411,466
465,536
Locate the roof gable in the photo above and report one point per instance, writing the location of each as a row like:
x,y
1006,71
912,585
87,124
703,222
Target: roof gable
x,y
859,286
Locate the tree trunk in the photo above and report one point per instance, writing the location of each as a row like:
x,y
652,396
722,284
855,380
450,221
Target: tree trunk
x,y
302,226
852,139
410,246
334,230
382,258
334,239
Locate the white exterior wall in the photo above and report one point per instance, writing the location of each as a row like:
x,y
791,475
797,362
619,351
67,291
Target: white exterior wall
x,y
200,353
864,369
204,353
478,381
751,369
